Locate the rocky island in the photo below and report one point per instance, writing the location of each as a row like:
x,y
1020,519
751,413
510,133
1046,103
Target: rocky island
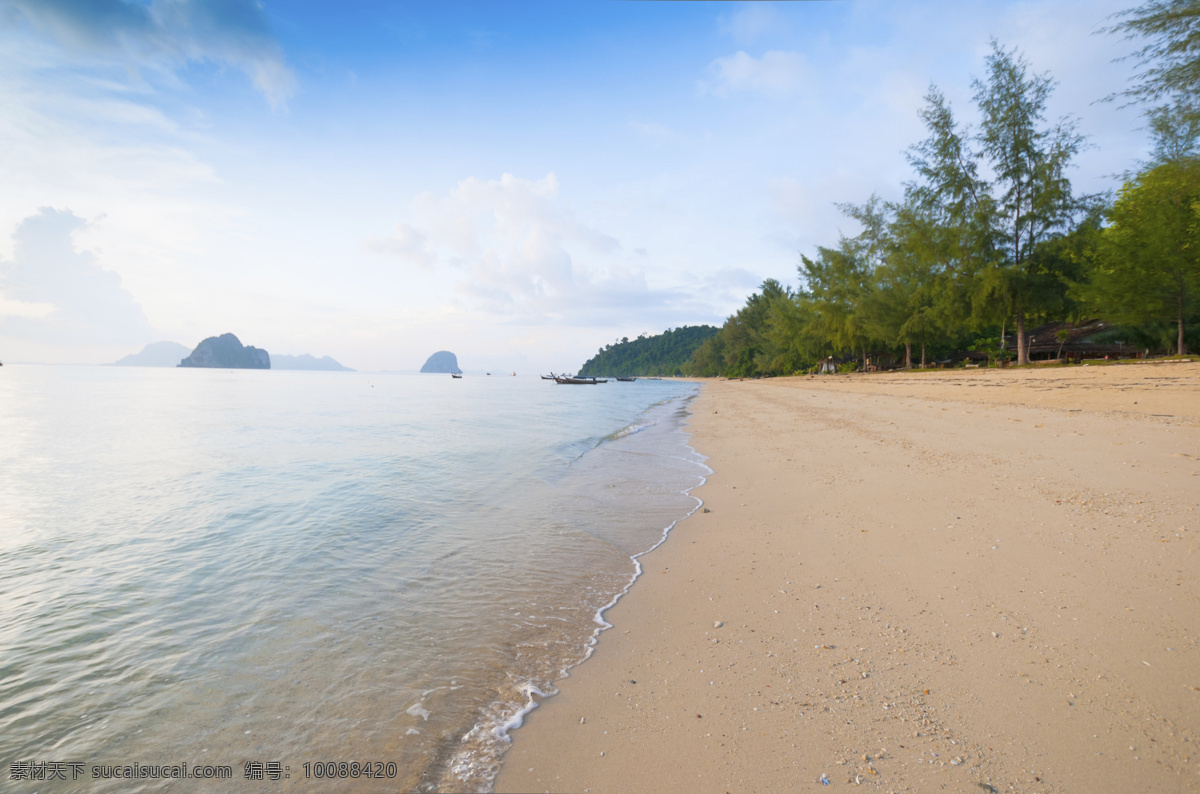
x,y
442,361
307,362
155,354
227,352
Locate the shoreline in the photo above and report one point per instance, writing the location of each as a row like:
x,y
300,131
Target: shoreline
x,y
505,729
908,596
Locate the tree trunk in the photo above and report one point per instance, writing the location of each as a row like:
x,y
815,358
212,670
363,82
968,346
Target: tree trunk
x,y
908,355
922,355
1022,348
1181,348
1003,325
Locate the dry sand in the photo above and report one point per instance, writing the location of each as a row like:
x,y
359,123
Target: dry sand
x,y
968,581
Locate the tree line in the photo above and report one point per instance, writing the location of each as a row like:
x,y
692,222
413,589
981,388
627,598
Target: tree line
x,y
990,238
668,353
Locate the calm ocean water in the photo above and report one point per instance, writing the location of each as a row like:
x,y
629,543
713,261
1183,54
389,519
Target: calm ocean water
x,y
219,567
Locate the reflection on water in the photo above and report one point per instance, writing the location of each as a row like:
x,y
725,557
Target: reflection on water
x,y
218,567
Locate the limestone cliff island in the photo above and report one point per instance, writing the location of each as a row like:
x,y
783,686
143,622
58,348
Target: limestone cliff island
x,y
227,352
306,361
155,354
442,361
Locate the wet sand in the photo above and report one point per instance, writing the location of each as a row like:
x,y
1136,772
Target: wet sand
x,y
980,580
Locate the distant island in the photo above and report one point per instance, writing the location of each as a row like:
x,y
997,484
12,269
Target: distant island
x,y
171,354
155,354
306,361
667,353
227,352
442,361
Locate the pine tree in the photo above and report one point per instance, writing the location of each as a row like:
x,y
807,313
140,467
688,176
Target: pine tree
x,y
1031,192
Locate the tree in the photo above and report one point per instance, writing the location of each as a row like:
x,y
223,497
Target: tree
x,y
744,331
1148,264
1031,193
837,283
946,224
736,351
948,187
789,344
1170,57
834,285
709,358
1176,134
912,285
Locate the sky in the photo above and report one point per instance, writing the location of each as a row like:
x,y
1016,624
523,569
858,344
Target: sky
x,y
520,183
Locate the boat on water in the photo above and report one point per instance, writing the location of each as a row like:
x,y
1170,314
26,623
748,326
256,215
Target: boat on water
x,y
626,380
457,375
589,381
551,376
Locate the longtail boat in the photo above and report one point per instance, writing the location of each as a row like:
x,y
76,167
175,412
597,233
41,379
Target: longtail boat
x,y
579,381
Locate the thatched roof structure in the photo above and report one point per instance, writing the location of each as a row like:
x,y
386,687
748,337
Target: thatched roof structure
x,y
1083,340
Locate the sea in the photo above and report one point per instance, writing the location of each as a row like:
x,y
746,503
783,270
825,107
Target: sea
x,y
326,581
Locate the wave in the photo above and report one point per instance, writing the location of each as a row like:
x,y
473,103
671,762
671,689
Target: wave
x,y
478,760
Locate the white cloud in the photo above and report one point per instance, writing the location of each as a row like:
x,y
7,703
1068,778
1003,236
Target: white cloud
x,y
517,251
776,72
104,143
167,34
16,308
750,22
728,285
87,304
406,244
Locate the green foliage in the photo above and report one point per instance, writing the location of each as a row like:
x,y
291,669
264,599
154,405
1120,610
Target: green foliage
x,y
1170,55
1175,129
709,358
669,353
789,344
1148,264
990,346
748,345
1031,194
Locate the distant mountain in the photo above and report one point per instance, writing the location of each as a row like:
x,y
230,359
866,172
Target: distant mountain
x,y
155,354
227,352
305,361
442,361
664,354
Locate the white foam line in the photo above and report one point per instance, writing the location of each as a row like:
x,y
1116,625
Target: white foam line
x,y
501,730
517,719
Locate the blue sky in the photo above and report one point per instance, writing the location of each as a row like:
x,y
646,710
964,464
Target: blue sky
x,y
517,182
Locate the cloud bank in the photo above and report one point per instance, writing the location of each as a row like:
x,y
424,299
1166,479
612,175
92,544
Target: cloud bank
x,y
517,250
52,294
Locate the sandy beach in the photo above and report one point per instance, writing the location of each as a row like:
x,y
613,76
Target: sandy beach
x,y
980,580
